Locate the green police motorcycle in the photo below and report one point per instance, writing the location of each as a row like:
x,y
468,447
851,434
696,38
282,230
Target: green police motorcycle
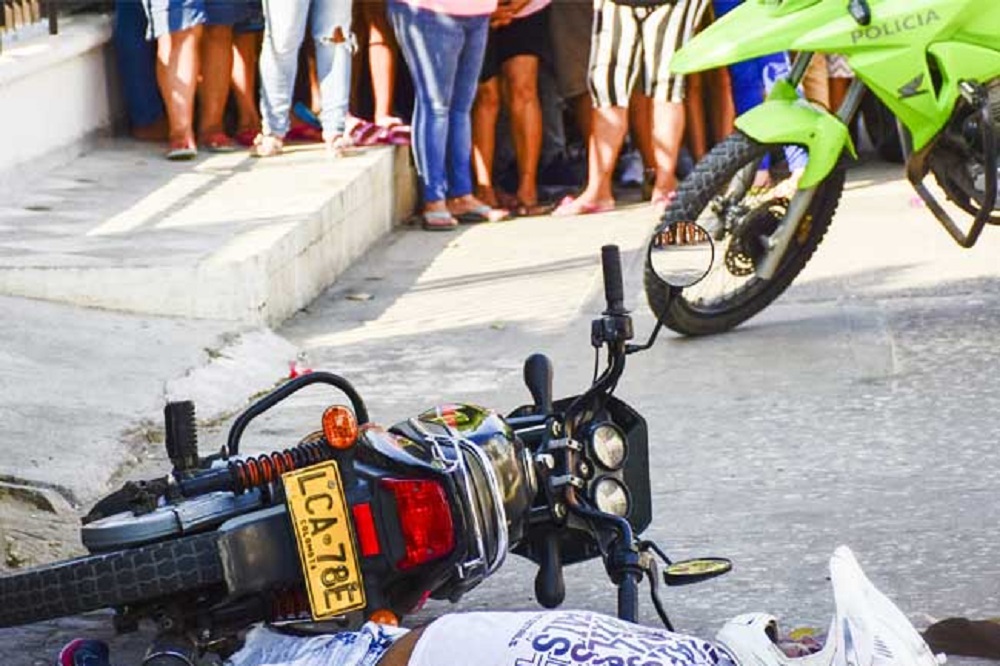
x,y
934,63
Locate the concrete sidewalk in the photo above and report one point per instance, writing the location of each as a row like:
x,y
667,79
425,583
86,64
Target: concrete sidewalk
x,y
225,237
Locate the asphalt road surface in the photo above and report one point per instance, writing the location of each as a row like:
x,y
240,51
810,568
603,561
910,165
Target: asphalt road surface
x,y
863,408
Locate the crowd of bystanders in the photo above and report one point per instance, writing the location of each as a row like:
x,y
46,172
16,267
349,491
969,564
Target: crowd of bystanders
x,y
505,103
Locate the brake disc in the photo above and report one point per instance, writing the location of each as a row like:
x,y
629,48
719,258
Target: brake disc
x,y
749,241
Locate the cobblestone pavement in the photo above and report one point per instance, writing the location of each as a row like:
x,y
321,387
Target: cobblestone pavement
x,y
862,408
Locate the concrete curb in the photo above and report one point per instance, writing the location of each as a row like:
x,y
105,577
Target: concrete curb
x,y
231,265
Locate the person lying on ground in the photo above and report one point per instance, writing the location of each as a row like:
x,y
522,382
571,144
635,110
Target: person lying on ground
x,y
867,630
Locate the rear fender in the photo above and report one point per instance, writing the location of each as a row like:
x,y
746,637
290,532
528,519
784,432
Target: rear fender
x,y
784,118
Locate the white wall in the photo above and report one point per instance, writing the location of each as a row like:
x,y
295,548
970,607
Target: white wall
x,y
56,93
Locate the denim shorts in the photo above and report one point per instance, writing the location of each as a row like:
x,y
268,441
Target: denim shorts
x,y
167,16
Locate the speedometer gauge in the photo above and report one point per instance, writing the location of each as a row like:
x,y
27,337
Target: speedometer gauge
x,y
611,496
608,446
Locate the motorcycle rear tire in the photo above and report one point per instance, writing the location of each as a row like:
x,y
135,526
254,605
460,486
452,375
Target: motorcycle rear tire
x,y
109,580
710,176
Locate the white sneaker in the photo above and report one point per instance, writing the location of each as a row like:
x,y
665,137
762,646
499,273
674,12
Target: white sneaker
x,y
867,629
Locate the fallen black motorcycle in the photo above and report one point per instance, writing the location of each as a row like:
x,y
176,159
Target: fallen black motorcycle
x,y
359,522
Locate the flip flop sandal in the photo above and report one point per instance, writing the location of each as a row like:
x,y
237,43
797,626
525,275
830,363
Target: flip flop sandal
x,y
181,151
365,133
660,202
245,137
219,142
570,206
395,135
437,220
266,145
532,210
483,214
342,145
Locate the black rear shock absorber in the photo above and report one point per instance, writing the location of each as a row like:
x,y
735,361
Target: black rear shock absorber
x,y
259,472
262,471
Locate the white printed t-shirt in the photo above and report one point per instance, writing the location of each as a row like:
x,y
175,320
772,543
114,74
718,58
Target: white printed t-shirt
x,y
556,638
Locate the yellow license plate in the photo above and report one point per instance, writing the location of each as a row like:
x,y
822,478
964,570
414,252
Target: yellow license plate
x,y
324,534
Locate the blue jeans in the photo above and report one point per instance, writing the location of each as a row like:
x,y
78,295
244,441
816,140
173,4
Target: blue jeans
x,y
444,54
136,59
285,28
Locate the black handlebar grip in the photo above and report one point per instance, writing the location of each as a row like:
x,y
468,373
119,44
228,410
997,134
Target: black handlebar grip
x,y
550,587
628,597
538,379
614,291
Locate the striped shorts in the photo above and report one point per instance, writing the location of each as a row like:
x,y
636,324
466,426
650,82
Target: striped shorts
x,y
633,43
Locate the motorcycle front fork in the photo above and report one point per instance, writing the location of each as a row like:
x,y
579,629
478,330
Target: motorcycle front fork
x,y
781,238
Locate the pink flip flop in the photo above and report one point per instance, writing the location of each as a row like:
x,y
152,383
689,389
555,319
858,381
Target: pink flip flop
x,y
365,133
571,206
395,135
660,202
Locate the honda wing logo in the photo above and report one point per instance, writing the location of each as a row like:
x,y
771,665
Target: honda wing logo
x,y
913,88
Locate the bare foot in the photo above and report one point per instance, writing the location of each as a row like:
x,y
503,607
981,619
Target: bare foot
x,y
487,195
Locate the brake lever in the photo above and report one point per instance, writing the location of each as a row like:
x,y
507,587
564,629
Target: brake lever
x,y
860,11
652,569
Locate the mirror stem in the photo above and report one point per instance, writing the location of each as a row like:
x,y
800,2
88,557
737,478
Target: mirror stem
x,y
631,349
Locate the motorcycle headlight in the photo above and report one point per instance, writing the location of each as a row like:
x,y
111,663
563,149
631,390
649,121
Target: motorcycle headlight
x,y
608,446
611,496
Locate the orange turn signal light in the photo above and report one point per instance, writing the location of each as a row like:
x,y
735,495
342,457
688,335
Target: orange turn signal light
x,y
340,427
384,616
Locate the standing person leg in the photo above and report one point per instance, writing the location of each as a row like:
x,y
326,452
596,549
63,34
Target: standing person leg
x,y
177,74
485,112
177,27
640,118
462,203
614,69
247,39
668,134
521,47
694,106
331,31
667,25
723,109
285,27
213,89
521,74
382,48
420,33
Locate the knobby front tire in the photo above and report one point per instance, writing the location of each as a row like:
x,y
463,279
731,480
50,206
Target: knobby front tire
x,y
710,178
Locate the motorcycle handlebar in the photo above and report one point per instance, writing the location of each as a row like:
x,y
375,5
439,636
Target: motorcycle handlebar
x,y
614,291
538,379
628,597
550,586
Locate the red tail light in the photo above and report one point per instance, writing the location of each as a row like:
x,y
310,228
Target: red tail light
x,y
364,527
424,519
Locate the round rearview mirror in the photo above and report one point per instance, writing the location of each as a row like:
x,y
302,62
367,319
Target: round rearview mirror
x,y
681,254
